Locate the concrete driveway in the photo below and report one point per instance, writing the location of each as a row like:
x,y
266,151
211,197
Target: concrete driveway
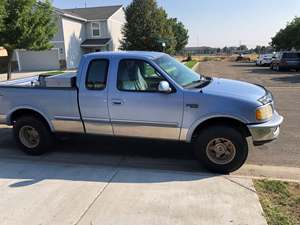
x,y
40,192
105,181
285,87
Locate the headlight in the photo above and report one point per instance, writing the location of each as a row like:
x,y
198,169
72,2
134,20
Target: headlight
x,y
264,112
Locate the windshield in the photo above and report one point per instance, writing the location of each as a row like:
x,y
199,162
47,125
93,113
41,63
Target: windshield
x,y
181,74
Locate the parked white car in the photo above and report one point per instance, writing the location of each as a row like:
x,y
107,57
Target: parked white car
x,y
264,60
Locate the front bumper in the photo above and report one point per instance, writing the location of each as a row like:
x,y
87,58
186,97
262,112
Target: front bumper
x,y
265,132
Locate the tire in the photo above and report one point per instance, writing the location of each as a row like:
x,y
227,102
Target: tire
x,y
230,137
32,135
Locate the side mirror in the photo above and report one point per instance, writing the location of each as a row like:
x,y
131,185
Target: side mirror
x,y
164,87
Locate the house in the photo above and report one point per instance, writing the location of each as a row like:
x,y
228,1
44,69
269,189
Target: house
x,y
200,50
80,31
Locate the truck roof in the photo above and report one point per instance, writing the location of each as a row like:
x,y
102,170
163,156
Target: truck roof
x,y
144,54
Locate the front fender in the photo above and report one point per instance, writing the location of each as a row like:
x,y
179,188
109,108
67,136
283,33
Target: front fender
x,y
187,133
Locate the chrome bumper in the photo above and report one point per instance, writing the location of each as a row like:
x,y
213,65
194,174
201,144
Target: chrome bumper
x,y
267,131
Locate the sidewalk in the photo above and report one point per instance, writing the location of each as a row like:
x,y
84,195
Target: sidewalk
x,y
35,192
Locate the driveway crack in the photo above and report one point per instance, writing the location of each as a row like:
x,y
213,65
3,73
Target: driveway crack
x,y
101,191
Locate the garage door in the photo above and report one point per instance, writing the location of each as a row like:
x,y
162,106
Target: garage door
x,y
39,60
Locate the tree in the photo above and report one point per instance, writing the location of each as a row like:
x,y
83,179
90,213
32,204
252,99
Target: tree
x,y
147,27
258,49
27,24
2,14
181,34
243,48
288,37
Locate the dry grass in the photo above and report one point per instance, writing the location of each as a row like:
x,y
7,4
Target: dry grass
x,y
205,58
280,201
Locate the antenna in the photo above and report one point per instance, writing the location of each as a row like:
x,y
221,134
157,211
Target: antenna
x,y
85,3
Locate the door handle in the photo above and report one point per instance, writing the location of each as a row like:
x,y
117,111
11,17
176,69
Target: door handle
x,y
117,102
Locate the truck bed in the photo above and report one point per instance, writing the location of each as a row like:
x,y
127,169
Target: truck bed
x,y
52,98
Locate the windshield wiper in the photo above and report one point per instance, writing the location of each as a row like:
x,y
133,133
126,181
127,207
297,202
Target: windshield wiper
x,y
197,83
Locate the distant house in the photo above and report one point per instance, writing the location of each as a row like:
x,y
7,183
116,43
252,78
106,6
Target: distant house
x,y
80,31
201,50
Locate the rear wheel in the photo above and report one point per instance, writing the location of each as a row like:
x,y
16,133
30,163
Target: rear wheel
x,y
32,135
221,148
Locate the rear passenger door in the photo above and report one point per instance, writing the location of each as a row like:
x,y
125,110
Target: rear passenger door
x,y
93,98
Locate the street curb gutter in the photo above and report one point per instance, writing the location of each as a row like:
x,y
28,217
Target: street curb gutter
x,y
269,172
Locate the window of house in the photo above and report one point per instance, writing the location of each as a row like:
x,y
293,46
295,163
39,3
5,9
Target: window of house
x,y
97,74
96,29
137,75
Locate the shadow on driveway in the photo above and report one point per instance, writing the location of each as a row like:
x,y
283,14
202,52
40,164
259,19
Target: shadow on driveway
x,y
265,74
293,79
85,158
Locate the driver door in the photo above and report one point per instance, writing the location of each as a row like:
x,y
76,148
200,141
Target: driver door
x,y
138,109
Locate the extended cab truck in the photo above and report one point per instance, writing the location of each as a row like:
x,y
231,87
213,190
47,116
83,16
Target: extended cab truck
x,y
142,95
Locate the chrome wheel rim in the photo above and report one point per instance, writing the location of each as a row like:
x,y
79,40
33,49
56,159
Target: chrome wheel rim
x,y
220,151
29,136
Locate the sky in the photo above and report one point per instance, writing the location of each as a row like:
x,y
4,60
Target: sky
x,y
219,23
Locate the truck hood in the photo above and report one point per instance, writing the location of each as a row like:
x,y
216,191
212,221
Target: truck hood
x,y
234,88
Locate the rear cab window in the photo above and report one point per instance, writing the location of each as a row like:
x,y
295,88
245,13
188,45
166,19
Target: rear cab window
x,y
97,74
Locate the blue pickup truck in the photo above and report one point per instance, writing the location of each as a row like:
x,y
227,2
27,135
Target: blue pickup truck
x,y
142,95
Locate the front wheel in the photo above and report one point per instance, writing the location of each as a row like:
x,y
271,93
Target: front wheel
x,y
32,135
221,148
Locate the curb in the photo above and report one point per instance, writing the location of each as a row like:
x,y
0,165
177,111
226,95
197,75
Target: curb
x,y
195,67
282,173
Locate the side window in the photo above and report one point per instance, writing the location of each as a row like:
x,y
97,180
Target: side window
x,y
149,71
97,74
95,29
137,75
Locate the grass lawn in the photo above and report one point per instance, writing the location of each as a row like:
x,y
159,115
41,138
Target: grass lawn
x,y
55,72
191,63
280,201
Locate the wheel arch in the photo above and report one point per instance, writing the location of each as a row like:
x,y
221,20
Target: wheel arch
x,y
18,112
219,120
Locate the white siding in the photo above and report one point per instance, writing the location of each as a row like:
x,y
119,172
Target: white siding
x,y
59,36
74,35
115,24
58,39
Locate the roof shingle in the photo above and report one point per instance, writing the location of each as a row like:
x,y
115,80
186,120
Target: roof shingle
x,y
94,13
